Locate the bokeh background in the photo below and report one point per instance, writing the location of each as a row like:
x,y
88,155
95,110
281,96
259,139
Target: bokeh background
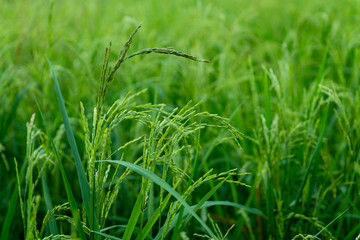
x,y
274,66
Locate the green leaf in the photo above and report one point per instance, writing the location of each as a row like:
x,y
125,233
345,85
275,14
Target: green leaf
x,y
232,204
197,207
84,185
49,205
136,229
106,235
203,203
134,217
151,176
112,227
69,194
217,203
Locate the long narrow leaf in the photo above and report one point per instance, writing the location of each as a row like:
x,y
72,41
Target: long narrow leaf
x,y
49,205
203,203
136,229
134,217
112,227
198,206
84,185
215,203
232,204
69,194
106,235
151,176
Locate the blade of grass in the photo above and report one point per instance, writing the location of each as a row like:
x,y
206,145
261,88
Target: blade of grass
x,y
216,203
107,236
203,203
200,203
74,209
151,176
232,204
84,185
334,220
49,205
136,230
134,217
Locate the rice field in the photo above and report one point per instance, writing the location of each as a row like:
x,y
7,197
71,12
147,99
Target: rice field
x,y
179,119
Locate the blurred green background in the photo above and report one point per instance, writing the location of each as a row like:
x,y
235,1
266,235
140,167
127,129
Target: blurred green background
x,y
267,58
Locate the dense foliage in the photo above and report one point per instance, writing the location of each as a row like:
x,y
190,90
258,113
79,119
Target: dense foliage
x,y
262,142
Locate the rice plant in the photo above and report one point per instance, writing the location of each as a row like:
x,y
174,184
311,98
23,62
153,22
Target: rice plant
x,y
260,142
168,144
